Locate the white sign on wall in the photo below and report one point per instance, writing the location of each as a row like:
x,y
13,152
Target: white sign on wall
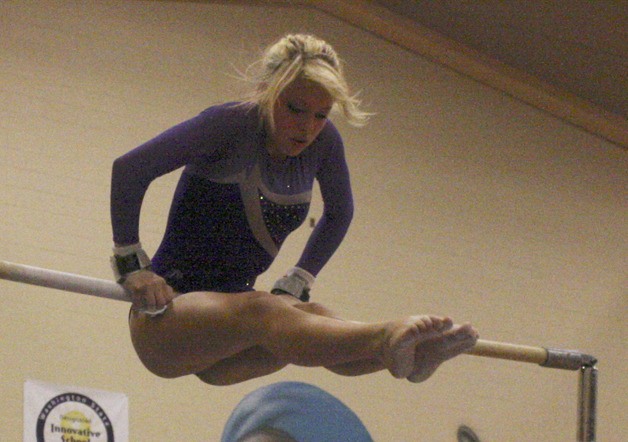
x,y
74,414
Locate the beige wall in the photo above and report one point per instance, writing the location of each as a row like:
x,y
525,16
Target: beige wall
x,y
469,203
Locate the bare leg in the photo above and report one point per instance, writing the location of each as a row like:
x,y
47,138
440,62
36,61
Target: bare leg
x,y
251,363
352,368
428,356
257,361
441,341
200,330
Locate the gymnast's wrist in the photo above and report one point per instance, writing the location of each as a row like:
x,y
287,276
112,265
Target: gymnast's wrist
x,y
128,259
297,282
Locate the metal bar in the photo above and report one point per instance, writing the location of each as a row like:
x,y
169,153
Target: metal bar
x,y
513,352
587,403
567,359
546,357
62,281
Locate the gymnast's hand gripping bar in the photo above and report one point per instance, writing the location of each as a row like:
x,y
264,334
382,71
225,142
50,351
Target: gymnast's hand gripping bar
x,y
553,358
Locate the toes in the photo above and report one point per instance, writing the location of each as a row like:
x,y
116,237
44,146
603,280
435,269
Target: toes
x,y
465,331
452,345
446,323
423,323
428,323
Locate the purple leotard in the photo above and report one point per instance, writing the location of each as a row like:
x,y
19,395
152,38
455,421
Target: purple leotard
x,y
234,205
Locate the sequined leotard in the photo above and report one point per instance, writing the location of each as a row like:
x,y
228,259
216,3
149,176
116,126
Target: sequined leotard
x,y
234,205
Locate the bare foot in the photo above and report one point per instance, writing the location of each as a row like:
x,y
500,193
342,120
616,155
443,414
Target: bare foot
x,y
438,348
403,339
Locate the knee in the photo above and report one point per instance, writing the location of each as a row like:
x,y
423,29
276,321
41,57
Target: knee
x,y
260,304
316,309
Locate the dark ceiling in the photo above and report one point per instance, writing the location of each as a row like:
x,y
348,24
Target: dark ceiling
x,y
579,46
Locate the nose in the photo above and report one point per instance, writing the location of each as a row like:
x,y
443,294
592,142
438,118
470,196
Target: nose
x,y
308,124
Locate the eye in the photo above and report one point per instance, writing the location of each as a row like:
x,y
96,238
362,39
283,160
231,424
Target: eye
x,y
294,109
321,116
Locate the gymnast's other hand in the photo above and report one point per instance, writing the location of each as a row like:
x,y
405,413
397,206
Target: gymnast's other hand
x,y
149,291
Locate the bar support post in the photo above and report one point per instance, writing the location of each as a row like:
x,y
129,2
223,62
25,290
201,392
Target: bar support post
x,y
587,403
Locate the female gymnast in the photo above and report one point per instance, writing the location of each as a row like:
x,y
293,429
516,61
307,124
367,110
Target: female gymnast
x,y
249,169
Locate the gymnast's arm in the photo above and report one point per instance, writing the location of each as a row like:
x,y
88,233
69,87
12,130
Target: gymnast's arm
x,y
131,176
335,186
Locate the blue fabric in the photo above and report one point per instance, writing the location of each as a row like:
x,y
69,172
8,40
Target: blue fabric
x,y
304,411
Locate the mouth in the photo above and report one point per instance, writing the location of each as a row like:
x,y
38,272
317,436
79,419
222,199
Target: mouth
x,y
299,140
299,143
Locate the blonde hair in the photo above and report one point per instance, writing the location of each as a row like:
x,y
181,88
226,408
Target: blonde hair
x,y
302,56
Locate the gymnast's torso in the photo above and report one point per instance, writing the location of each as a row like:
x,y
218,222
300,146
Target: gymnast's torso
x,y
234,204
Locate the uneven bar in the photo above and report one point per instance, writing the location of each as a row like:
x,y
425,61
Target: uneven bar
x,y
512,352
546,357
68,282
551,358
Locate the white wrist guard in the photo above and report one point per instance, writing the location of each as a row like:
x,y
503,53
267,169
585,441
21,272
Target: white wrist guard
x,y
297,283
128,259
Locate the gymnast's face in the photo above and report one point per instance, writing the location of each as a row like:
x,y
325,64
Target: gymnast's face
x,y
300,114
